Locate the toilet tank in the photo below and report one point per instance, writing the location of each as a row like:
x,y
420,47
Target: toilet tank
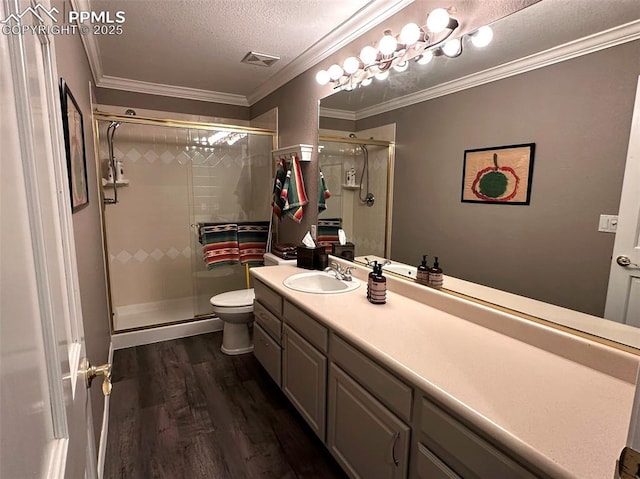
x,y
271,259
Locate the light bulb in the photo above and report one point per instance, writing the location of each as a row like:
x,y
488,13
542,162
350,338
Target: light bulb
x,y
367,81
425,58
410,34
438,20
388,44
482,37
335,71
351,65
368,55
322,77
382,75
452,48
401,67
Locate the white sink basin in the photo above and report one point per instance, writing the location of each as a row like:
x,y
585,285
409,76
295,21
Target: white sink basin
x,y
402,269
320,283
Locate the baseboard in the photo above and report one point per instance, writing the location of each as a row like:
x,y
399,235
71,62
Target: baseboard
x,y
104,432
165,333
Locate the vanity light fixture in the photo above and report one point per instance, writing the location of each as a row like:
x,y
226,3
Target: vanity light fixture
x,y
420,43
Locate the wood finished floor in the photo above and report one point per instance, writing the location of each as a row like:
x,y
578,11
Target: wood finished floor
x,y
182,409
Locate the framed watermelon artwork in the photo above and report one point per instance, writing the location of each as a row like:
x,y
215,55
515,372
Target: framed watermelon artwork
x,y
500,175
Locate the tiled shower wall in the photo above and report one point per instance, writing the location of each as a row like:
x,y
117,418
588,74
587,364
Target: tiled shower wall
x,y
148,233
154,255
364,225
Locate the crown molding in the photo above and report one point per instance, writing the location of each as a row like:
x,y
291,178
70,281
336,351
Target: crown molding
x,y
374,13
339,114
583,46
187,93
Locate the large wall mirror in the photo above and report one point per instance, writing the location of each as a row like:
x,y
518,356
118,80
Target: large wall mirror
x,y
561,75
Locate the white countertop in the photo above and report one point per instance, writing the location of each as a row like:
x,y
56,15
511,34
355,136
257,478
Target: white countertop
x,y
567,418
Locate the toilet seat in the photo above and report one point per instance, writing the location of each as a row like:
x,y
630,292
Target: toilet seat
x,y
240,301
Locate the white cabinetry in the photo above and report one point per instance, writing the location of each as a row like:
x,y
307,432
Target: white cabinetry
x,y
365,437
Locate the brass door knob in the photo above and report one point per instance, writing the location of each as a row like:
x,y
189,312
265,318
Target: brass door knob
x,y
90,372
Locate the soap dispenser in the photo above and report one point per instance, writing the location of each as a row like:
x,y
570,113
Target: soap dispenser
x,y
370,278
422,276
378,292
435,275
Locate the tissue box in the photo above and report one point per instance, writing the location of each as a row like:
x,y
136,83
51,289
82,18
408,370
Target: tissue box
x,y
312,258
346,251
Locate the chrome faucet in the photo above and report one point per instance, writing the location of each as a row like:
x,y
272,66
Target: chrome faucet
x,y
343,274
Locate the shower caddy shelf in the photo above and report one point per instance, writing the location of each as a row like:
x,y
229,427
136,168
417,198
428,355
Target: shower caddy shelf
x,y
350,187
106,183
303,152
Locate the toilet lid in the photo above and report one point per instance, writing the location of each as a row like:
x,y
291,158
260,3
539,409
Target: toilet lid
x,y
234,299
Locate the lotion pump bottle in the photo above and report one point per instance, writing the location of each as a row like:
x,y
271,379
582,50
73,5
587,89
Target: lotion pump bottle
x,y
435,275
378,292
370,279
422,276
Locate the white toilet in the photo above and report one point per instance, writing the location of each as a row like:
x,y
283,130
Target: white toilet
x,y
235,309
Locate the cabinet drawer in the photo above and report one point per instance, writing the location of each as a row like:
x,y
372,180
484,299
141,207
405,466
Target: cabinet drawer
x,y
268,297
396,395
267,352
428,466
268,321
468,454
308,327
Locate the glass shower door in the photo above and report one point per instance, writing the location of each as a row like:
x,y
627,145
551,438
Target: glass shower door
x,y
157,275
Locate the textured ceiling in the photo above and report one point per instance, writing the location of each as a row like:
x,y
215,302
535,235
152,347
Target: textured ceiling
x,y
200,43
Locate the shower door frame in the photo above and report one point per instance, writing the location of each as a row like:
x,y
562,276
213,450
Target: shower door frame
x,y
391,149
97,116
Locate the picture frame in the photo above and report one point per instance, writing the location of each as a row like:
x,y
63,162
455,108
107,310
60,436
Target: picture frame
x,y
498,175
73,127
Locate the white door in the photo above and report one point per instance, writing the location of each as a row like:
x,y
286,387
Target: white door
x,y
623,295
45,427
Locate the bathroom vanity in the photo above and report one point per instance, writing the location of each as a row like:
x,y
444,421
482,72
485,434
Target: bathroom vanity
x,y
433,386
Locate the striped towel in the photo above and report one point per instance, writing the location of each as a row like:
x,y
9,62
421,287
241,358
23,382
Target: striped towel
x,y
220,244
323,193
328,232
278,183
252,242
293,192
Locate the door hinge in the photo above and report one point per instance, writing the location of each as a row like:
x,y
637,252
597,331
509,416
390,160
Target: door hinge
x,y
629,464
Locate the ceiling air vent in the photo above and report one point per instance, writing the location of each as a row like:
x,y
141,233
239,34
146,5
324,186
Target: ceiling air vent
x,y
262,59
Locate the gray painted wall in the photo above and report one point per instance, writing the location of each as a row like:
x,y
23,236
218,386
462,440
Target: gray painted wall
x,y
578,113
73,66
297,104
107,96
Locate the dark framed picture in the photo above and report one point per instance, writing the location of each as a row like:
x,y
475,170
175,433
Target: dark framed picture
x,y
499,175
75,148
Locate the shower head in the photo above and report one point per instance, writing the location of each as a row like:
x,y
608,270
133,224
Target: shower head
x,y
114,125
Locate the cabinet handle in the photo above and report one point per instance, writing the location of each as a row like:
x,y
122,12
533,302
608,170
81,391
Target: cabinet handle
x,y
393,449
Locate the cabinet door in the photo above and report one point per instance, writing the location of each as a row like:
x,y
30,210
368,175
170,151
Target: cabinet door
x,y
304,379
267,352
365,437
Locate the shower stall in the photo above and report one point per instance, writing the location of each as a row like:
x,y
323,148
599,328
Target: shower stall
x,y
364,208
160,180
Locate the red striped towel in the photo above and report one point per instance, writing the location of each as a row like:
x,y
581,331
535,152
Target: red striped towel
x,y
220,244
293,192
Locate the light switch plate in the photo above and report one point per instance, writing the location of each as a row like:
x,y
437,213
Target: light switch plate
x,y
608,223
